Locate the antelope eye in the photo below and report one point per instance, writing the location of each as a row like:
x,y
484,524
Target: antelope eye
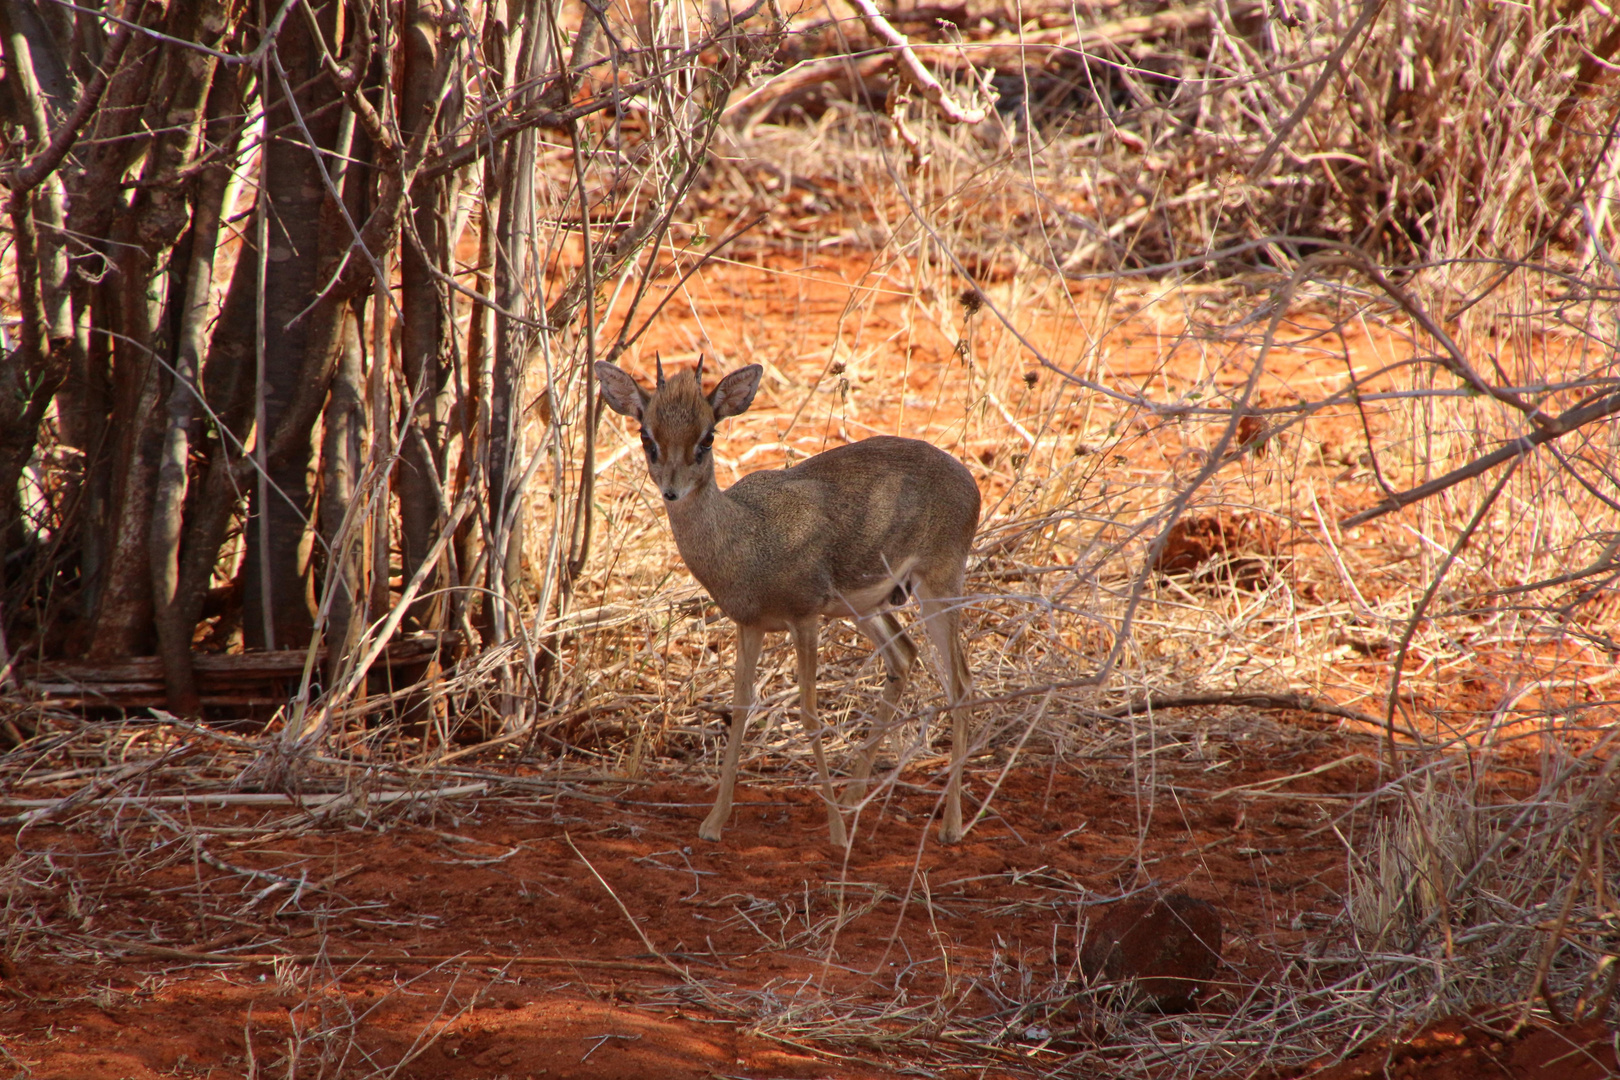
x,y
648,445
707,441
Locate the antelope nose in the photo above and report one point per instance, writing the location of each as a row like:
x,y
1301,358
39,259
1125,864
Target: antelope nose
x,y
670,495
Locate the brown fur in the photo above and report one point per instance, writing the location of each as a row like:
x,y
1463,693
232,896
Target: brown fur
x,y
839,535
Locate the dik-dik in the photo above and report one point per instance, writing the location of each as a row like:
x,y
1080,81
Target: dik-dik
x,y
848,533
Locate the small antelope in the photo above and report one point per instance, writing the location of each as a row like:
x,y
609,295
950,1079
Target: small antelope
x,y
847,534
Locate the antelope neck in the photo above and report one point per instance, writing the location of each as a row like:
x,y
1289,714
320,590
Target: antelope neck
x,y
706,526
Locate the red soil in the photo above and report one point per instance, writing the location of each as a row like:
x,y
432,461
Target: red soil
x,y
1463,1050
420,922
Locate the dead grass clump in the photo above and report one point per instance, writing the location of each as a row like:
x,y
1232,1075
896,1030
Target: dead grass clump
x,y
1216,136
1463,898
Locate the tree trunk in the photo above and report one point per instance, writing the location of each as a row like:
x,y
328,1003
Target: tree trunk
x,y
145,305
31,374
299,344
516,270
342,458
174,631
425,324
122,625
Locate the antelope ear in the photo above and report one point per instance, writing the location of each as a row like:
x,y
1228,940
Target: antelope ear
x,y
736,392
622,393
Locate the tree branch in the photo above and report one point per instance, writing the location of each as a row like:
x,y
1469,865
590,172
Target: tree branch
x,y
1288,702
33,172
1454,360
1330,68
916,73
1560,425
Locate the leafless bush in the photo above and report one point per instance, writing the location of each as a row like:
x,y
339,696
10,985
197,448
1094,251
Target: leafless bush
x,y
256,444
1457,902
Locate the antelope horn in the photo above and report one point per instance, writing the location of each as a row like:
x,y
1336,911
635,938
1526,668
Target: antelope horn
x,y
659,361
700,369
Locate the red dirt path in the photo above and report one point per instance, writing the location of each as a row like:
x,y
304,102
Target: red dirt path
x,y
503,878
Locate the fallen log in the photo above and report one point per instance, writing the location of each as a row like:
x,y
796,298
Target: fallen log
x,y
224,680
1014,53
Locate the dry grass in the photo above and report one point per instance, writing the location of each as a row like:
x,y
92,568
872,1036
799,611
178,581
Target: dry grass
x,y
1093,297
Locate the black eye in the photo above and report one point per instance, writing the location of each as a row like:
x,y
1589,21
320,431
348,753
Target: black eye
x,y
706,442
648,445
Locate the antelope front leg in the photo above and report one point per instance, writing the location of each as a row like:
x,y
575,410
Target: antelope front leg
x,y
749,641
806,639
950,830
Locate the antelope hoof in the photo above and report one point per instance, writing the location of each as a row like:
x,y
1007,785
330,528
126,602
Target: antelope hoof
x,y
712,826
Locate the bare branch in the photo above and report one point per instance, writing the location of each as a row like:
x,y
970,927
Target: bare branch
x,y
1563,424
42,164
1330,68
912,65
